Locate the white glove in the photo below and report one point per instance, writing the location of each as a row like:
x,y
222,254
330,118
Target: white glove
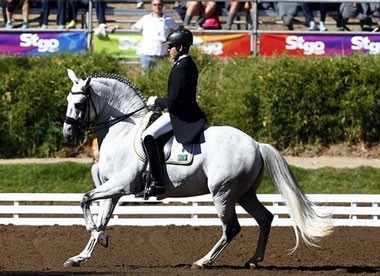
x,y
151,101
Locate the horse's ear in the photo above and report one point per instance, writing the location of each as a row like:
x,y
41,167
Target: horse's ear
x,y
87,82
72,76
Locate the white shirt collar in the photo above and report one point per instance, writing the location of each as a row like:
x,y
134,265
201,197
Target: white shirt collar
x,y
181,57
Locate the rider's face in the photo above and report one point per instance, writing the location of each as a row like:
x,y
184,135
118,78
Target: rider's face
x,y
174,51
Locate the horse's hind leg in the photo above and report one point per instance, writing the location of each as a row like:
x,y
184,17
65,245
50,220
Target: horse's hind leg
x,y
231,228
264,219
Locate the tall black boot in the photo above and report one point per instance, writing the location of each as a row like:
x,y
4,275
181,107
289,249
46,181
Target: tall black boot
x,y
156,185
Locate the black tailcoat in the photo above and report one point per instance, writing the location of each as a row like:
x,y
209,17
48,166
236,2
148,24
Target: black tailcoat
x,y
187,118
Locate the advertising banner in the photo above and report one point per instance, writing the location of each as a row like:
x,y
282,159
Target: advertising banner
x,y
318,44
224,45
42,43
120,45
127,45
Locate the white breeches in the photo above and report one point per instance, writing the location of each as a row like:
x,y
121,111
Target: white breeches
x,y
159,127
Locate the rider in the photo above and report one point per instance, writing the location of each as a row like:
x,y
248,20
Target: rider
x,y
183,115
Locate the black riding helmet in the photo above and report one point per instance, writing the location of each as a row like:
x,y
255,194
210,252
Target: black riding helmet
x,y
180,37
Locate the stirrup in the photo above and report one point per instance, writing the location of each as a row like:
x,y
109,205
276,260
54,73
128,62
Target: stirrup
x,y
151,190
154,189
145,180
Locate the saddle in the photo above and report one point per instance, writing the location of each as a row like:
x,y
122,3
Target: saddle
x,y
172,151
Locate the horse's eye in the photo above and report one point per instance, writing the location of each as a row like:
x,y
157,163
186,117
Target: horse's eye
x,y
79,106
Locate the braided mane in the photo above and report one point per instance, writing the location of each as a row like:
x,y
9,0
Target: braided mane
x,y
117,77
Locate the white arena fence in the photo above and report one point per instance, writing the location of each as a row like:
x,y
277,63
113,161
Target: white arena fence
x,y
64,209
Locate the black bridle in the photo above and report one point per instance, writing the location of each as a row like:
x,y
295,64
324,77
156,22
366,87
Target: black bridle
x,y
91,126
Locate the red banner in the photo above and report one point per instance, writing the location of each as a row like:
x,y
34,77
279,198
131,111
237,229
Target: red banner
x,y
224,45
274,44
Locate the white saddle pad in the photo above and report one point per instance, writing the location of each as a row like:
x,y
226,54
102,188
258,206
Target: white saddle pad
x,y
175,153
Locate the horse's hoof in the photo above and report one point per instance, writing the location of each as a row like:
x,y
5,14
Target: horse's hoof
x,y
71,263
252,264
103,239
197,266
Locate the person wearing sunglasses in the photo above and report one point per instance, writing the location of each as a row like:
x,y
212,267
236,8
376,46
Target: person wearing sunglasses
x,y
154,28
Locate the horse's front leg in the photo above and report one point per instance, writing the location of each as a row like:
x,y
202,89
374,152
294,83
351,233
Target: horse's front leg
x,y
85,205
99,193
97,235
83,256
110,192
105,214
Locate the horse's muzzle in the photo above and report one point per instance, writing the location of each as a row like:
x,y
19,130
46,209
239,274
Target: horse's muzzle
x,y
71,134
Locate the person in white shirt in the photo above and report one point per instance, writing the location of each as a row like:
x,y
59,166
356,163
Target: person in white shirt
x,y
155,27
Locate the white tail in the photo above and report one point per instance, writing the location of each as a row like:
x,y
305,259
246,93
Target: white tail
x,y
310,225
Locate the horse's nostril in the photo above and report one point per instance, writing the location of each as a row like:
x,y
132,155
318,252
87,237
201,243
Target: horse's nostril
x,y
68,141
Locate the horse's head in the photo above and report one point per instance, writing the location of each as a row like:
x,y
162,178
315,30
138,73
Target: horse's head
x,y
77,116
99,102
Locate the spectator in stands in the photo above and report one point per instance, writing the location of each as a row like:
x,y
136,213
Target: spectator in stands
x,y
45,12
357,10
4,8
11,6
286,12
266,6
234,8
100,6
375,12
73,7
208,12
192,9
308,12
180,8
155,27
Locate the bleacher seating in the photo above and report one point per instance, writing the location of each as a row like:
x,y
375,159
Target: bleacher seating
x,y
125,13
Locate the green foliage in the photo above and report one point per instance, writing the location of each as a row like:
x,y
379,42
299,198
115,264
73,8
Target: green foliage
x,y
227,100
362,180
33,92
360,105
154,82
290,102
65,177
299,108
69,177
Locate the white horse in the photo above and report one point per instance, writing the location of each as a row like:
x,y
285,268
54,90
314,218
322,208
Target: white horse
x,y
229,166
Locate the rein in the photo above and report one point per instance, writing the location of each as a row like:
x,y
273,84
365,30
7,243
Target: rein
x,y
102,125
92,127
